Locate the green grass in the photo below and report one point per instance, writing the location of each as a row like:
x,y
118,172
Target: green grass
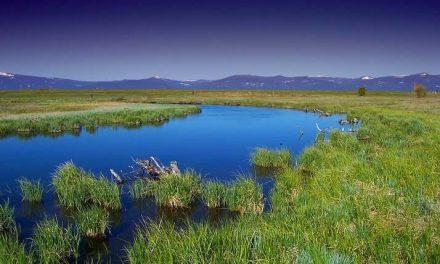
x,y
177,191
12,251
105,193
245,196
59,122
31,191
53,243
349,199
141,188
214,194
7,222
93,222
77,188
72,185
266,158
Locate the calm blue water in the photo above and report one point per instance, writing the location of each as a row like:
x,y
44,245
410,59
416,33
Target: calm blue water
x,y
216,143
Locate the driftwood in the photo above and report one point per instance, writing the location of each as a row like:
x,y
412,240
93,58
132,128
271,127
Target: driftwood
x,y
116,176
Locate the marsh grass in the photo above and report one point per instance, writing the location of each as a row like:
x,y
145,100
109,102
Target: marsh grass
x,y
31,191
71,185
93,222
105,193
214,194
141,188
245,196
177,191
57,123
266,158
7,222
12,251
53,243
76,188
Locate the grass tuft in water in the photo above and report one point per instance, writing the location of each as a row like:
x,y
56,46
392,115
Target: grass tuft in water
x,y
266,158
213,194
7,222
177,191
76,188
141,188
245,196
105,193
93,222
12,251
31,191
71,185
53,243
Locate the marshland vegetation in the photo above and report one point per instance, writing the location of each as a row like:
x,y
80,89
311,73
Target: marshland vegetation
x,y
93,222
266,158
370,196
53,243
54,123
31,191
77,188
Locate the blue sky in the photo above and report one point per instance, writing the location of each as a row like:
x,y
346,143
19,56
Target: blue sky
x,y
98,40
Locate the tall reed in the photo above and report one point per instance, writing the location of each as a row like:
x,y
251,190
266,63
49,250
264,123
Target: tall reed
x,y
214,194
31,191
12,251
7,222
53,243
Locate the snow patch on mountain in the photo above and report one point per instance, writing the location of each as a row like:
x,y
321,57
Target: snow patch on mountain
x,y
5,74
367,78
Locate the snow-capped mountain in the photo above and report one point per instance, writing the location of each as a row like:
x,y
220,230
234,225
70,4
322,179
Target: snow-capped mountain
x,y
10,81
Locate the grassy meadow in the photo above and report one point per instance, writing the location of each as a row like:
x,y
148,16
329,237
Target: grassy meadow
x,y
368,197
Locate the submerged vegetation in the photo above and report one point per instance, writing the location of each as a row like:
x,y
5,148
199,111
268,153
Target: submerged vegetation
x,y
53,243
266,158
31,191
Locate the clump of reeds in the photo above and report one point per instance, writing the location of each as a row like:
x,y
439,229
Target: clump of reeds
x,y
105,193
12,251
76,188
31,191
7,222
71,185
93,222
266,158
141,188
53,243
245,196
214,194
177,191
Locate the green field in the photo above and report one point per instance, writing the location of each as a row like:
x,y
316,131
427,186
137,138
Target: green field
x,y
372,197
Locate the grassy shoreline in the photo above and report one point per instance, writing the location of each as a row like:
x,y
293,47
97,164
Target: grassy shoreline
x,y
130,115
349,200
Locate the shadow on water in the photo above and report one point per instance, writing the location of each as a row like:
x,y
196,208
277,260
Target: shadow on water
x,y
217,142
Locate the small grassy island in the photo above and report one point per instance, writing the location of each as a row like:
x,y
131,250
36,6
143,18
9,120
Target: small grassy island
x,y
366,197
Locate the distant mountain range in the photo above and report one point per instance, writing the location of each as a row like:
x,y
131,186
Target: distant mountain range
x,y
10,81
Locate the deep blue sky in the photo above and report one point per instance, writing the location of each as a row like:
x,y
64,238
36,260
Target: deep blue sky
x,y
93,40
